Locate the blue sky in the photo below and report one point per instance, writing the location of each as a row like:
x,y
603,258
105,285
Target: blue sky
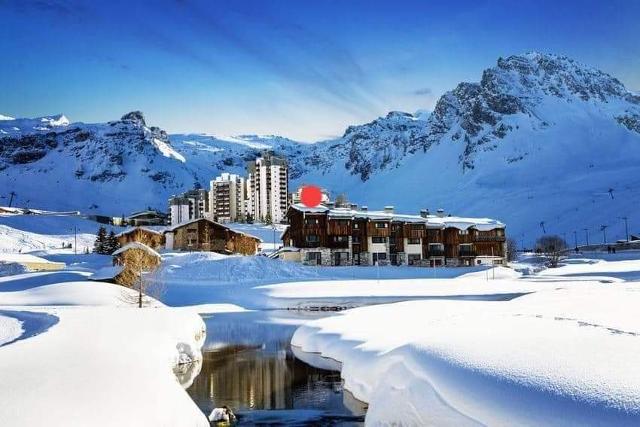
x,y
301,69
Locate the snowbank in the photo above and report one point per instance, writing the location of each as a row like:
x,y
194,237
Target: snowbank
x,y
10,329
103,366
555,357
103,363
201,277
82,293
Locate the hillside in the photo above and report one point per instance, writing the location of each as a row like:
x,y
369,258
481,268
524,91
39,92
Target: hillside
x,y
540,141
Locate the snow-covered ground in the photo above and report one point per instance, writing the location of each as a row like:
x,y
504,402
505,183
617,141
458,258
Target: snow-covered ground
x,y
10,329
445,346
47,233
562,355
200,278
101,356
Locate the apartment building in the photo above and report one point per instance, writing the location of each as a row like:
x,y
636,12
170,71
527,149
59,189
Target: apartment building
x,y
268,187
193,204
351,236
227,198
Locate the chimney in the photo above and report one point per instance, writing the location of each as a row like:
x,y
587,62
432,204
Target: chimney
x,y
388,209
364,208
440,213
424,213
354,206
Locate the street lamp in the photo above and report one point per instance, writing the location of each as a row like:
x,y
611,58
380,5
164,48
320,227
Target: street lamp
x,y
75,239
626,225
603,228
586,231
274,237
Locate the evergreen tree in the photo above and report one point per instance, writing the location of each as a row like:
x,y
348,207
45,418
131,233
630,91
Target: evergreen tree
x,y
101,241
112,243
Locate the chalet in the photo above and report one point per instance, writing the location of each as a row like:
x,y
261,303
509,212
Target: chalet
x,y
132,259
351,236
148,217
205,235
153,238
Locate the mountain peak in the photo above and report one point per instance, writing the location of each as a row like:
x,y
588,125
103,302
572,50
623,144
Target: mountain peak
x,y
554,75
134,116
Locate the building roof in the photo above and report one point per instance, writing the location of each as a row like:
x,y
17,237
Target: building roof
x,y
148,212
182,224
136,245
157,230
430,221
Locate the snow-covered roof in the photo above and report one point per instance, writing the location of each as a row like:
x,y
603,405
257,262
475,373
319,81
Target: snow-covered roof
x,y
431,221
147,212
23,258
136,245
182,224
107,273
155,230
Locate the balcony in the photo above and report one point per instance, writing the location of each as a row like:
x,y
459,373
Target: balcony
x,y
466,253
490,238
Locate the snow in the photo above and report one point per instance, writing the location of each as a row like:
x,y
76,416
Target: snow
x,y
157,230
201,277
107,273
118,354
47,232
167,151
21,258
3,117
10,329
559,355
136,245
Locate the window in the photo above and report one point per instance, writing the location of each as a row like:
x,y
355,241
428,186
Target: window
x,y
312,238
314,258
355,239
356,225
311,221
380,257
413,259
378,240
340,239
463,232
414,241
381,225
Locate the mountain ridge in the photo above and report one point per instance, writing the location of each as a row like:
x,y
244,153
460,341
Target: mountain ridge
x,y
531,121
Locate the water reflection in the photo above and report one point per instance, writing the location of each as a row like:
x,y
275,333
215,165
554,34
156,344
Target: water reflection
x,y
248,365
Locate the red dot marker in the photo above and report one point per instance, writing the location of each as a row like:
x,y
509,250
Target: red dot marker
x,y
310,196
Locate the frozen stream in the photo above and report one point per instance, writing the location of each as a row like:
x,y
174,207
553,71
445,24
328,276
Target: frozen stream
x,y
249,366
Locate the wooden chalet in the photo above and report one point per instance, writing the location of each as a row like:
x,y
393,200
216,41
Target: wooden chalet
x,y
148,236
351,236
205,235
133,258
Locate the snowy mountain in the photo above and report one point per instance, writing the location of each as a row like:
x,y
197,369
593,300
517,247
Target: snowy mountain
x,y
15,127
540,141
105,168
